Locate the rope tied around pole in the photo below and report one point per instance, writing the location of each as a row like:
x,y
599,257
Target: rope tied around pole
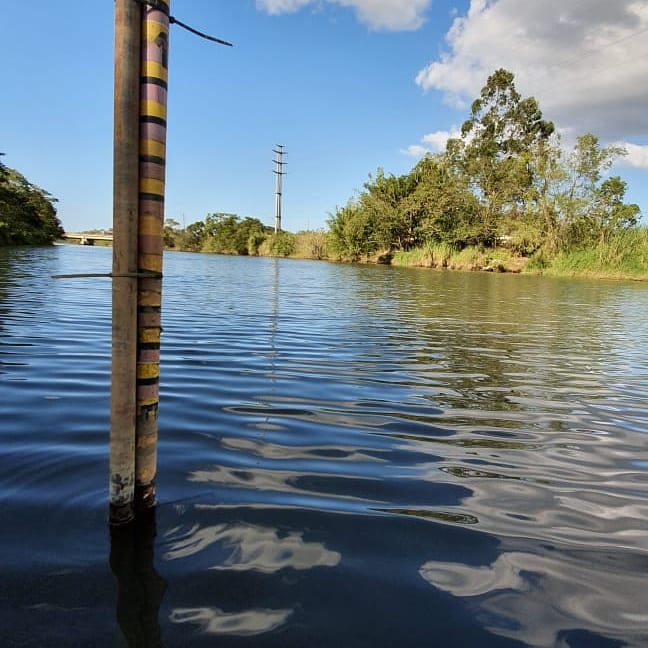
x,y
155,4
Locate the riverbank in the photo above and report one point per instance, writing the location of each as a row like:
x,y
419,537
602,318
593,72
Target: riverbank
x,y
618,259
622,257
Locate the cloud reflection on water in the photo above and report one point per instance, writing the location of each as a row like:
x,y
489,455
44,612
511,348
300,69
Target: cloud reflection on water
x,y
585,590
254,547
243,624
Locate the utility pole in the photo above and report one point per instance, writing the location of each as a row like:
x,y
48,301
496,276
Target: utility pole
x,y
279,172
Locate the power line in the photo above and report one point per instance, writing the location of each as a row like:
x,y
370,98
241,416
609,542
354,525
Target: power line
x,y
160,6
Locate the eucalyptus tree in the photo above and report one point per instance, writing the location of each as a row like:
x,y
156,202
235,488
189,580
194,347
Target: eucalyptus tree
x,y
611,214
497,144
593,208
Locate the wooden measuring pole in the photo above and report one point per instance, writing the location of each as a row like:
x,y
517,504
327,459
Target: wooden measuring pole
x,y
152,155
124,287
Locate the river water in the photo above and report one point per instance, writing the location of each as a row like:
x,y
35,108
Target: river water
x,y
349,456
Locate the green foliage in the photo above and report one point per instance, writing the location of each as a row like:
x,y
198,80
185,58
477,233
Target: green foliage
x,y
171,228
445,208
624,254
505,182
255,241
592,210
225,234
194,235
538,262
27,212
497,143
431,255
279,244
351,232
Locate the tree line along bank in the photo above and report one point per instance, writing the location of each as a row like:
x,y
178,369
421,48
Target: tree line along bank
x,y
505,194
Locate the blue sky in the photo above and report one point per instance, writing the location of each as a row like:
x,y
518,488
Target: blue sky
x,y
346,86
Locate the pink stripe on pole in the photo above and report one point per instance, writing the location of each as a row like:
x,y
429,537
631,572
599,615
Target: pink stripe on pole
x,y
153,92
148,392
149,355
152,170
155,132
151,244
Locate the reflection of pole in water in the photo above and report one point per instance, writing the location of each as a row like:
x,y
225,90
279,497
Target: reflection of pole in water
x,y
274,312
140,589
274,316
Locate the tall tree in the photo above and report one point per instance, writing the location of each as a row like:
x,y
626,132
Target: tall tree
x,y
593,208
497,143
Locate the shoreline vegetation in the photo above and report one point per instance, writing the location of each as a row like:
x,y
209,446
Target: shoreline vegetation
x,y
504,196
623,256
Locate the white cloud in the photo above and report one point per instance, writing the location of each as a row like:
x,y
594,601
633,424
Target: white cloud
x,y
585,62
432,142
439,138
275,7
391,15
637,156
416,150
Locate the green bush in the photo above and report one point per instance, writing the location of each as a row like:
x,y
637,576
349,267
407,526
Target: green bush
x,y
279,244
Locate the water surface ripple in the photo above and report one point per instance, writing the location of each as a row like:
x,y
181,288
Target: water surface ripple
x,y
353,456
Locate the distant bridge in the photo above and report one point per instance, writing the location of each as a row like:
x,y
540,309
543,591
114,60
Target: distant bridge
x,y
86,239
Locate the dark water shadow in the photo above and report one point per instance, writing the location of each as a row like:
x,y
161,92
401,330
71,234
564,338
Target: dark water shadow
x,y
140,589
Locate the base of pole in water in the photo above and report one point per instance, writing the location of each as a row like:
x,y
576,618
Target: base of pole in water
x,y
124,513
144,497
121,514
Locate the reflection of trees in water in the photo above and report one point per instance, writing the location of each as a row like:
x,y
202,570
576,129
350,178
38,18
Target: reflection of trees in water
x,y
498,346
542,596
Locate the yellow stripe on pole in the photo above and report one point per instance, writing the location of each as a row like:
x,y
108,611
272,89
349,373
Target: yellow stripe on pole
x,y
146,474
150,336
149,298
153,109
149,225
150,262
147,403
154,70
152,148
152,186
153,29
146,371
